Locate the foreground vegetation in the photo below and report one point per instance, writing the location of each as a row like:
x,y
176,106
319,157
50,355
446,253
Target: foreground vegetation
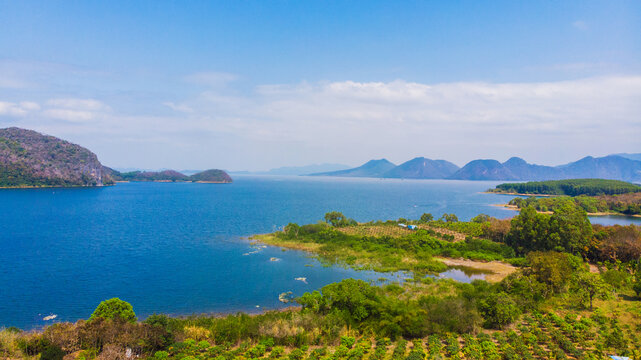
x,y
571,187
575,295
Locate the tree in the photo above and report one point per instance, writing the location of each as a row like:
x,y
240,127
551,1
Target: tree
x,y
355,299
589,286
552,269
528,231
334,218
337,219
449,218
481,218
114,309
498,310
426,217
570,229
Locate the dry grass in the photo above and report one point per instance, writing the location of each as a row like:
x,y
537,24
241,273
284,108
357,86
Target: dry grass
x,y
393,231
8,348
270,239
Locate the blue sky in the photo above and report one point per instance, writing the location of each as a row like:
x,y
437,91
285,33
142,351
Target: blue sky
x,y
261,84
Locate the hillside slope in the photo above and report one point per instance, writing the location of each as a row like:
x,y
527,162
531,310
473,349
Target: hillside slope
x,y
422,168
372,168
31,159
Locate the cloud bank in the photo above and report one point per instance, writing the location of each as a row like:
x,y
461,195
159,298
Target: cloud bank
x,y
350,122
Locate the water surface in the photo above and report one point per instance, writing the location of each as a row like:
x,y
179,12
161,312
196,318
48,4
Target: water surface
x,y
181,248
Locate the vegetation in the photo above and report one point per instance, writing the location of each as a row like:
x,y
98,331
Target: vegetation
x,y
573,187
30,159
625,204
114,308
212,176
555,307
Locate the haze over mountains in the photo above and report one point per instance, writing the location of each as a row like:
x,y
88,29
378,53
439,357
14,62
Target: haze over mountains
x,y
614,167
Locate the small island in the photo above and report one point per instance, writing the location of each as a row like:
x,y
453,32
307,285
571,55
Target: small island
x,y
213,176
596,196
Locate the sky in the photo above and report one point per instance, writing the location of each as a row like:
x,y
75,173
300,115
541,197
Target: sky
x,y
254,85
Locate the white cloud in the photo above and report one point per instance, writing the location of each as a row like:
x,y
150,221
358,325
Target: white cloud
x,y
350,122
78,104
69,115
17,109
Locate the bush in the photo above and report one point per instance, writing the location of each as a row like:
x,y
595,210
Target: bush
x,y
52,352
114,308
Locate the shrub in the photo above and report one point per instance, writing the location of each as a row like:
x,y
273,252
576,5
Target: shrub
x,y
52,352
114,308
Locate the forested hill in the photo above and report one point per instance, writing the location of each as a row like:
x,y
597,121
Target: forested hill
x,y
31,159
572,187
209,176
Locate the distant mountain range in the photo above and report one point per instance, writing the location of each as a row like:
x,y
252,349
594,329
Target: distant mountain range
x,y
297,170
31,159
630,156
372,168
614,167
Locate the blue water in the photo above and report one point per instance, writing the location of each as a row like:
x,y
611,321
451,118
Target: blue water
x,y
181,248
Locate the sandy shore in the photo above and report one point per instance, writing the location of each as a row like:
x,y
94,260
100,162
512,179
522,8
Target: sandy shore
x,y
497,270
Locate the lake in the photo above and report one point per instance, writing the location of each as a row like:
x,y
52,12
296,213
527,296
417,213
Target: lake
x,y
181,248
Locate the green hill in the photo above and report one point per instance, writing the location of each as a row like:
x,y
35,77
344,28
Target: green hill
x,y
572,187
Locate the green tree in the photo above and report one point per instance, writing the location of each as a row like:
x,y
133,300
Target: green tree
x,y
528,231
355,299
553,269
449,218
570,229
334,218
589,286
426,217
498,310
114,309
337,219
481,218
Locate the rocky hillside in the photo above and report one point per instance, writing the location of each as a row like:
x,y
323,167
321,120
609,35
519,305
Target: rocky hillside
x,y
31,159
212,176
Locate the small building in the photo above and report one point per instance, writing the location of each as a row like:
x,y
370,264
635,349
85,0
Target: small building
x,y
412,227
402,225
619,357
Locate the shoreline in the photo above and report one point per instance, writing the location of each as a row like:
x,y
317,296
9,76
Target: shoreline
x,y
519,194
55,186
105,185
494,271
516,208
